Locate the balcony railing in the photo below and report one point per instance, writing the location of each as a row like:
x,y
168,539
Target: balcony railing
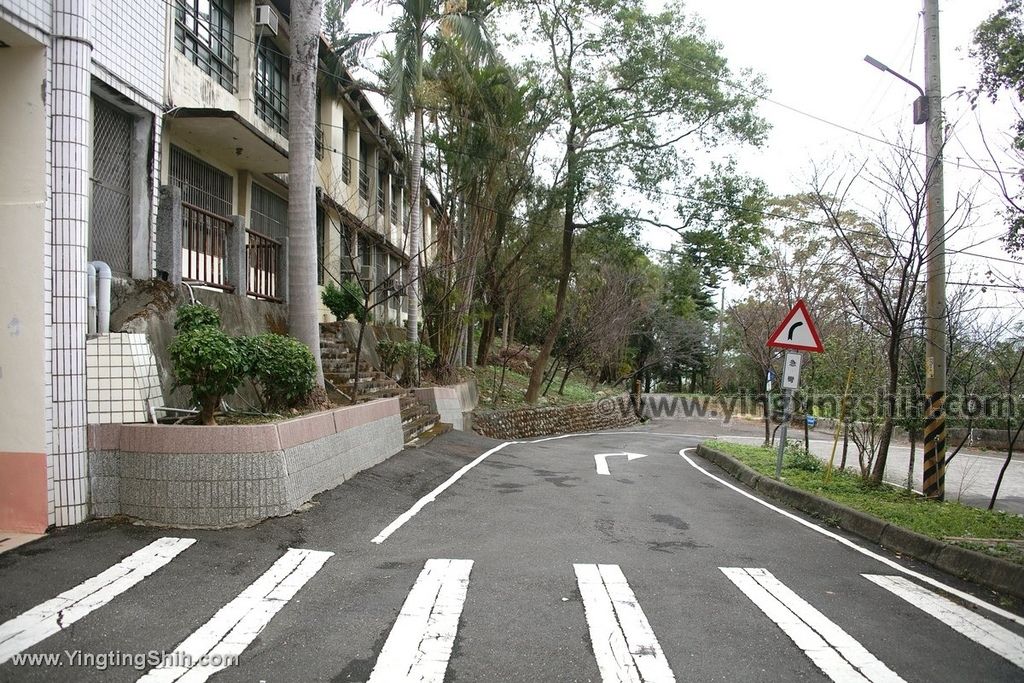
x,y
263,255
203,246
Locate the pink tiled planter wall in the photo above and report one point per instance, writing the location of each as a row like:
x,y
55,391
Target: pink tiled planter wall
x,y
229,475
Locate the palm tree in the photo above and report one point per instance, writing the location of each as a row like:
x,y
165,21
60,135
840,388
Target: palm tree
x,y
302,260
415,29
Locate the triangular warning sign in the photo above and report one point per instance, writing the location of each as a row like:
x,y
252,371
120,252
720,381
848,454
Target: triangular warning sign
x,y
797,331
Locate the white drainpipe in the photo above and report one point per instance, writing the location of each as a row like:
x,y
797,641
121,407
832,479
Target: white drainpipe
x,y
91,318
102,296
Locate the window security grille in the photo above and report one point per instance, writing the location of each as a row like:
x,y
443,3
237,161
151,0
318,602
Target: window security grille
x,y
346,158
364,172
272,87
204,31
321,220
269,213
201,184
110,213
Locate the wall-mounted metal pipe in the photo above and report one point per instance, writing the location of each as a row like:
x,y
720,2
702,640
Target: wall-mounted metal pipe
x,y
103,277
91,281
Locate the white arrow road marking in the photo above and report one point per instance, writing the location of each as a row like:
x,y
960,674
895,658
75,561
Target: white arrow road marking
x,y
236,624
831,648
601,459
43,620
420,643
624,644
986,633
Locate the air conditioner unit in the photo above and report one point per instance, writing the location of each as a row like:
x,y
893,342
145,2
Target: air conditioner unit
x,y
366,273
266,20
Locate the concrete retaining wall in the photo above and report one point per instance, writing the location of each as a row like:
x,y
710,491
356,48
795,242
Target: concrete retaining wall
x,y
228,475
454,404
520,423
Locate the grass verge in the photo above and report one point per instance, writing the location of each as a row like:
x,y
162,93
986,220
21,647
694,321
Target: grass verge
x,y
993,532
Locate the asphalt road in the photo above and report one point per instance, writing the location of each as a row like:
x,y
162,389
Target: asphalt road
x,y
524,516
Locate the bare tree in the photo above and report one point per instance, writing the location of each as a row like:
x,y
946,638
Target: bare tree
x,y
887,255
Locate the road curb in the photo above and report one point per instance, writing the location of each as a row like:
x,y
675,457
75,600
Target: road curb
x,y
991,572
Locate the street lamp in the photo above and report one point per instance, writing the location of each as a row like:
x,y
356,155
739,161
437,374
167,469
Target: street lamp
x,y
928,110
920,104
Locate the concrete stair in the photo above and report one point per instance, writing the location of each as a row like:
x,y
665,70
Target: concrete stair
x,y
340,369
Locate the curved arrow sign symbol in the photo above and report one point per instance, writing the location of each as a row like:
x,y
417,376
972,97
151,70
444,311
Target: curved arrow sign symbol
x,y
601,460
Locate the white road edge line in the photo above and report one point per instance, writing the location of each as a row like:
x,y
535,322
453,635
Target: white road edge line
x,y
966,597
432,496
986,633
625,646
420,643
235,625
47,618
833,650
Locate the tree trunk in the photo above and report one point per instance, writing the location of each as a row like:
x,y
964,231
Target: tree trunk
x,y
565,378
303,293
483,351
505,326
568,233
767,415
885,436
910,466
415,233
207,407
846,444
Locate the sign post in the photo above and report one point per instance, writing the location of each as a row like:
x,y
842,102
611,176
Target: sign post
x,y
796,333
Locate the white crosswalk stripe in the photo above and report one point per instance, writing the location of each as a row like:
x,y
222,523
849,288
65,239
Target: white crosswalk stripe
x,y
986,633
56,614
420,643
831,648
624,643
236,625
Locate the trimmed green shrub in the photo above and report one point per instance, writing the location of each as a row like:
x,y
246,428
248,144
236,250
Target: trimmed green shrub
x,y
281,367
344,301
795,457
193,316
211,363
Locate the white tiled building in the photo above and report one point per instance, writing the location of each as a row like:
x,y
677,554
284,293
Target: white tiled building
x,y
110,110
80,132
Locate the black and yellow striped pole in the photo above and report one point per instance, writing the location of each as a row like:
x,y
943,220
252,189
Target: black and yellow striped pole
x,y
935,446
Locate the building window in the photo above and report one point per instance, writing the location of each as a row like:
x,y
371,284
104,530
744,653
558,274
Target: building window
x,y
204,31
321,220
396,201
364,171
272,87
110,212
269,213
346,158
319,135
382,182
201,185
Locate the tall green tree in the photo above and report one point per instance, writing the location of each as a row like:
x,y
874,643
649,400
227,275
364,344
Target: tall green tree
x,y
998,46
417,28
628,86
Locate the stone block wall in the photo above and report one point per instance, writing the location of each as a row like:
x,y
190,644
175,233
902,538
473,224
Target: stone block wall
x,y
520,423
231,475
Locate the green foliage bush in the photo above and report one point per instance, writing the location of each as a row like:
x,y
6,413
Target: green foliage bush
x,y
392,353
795,457
281,367
208,361
344,301
194,316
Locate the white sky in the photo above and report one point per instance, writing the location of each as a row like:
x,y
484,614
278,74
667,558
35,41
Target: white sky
x,y
810,53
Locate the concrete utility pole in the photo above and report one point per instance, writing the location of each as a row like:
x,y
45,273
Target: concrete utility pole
x,y
928,110
935,354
